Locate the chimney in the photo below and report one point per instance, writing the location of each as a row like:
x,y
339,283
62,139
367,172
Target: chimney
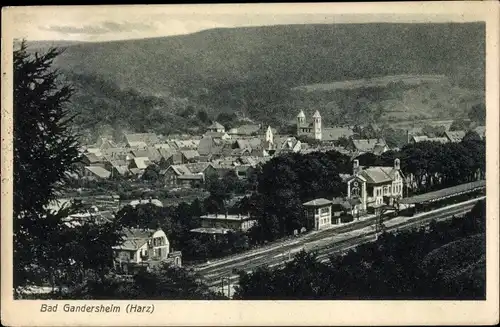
x,y
396,164
355,166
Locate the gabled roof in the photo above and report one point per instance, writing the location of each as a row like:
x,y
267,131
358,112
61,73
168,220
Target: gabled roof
x,y
166,153
317,203
189,169
335,133
316,114
98,171
92,158
376,175
455,136
187,144
190,154
208,146
134,239
142,162
368,145
301,114
141,139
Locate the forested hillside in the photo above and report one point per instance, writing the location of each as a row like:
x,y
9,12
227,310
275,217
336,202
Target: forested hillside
x,y
251,71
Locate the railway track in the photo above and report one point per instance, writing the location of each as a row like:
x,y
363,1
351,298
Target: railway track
x,y
329,245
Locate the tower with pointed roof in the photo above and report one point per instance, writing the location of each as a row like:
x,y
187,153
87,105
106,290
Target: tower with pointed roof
x,y
301,120
317,126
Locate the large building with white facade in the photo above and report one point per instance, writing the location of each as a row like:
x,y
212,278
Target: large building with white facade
x,y
374,187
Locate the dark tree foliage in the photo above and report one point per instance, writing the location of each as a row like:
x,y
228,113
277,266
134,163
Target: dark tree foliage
x,y
289,180
48,249
407,265
44,151
163,283
44,146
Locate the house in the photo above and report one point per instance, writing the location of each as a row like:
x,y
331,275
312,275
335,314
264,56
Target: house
x,y
455,136
189,156
141,140
117,167
169,157
209,146
287,144
375,187
140,163
187,175
144,249
376,146
335,133
186,144
318,213
222,223
96,173
216,127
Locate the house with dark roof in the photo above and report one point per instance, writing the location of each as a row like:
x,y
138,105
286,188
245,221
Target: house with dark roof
x,y
376,186
144,249
169,157
375,146
187,175
336,133
189,156
455,136
216,127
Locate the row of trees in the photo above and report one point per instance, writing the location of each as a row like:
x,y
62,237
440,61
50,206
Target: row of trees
x,y
445,262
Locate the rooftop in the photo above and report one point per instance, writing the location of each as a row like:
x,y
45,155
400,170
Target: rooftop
x,y
317,203
223,216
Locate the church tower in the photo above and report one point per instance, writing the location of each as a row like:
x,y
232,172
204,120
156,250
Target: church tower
x,y
301,119
269,135
317,126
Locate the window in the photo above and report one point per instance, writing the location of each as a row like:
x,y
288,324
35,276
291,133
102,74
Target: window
x,y
324,210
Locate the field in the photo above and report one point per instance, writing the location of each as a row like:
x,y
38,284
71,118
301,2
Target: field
x,y
372,82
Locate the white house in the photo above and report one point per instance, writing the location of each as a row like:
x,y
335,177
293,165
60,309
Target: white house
x,y
144,247
318,213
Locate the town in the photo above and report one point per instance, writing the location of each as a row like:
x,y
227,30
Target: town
x,y
222,168
181,169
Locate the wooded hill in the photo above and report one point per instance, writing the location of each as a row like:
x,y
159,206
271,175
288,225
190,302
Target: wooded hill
x,y
251,70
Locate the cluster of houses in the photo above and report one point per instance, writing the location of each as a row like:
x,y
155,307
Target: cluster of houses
x,y
448,136
187,161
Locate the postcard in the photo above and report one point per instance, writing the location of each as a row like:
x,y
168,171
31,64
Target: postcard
x,y
250,164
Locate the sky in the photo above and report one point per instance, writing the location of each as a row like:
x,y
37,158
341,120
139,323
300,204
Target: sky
x,y
105,23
